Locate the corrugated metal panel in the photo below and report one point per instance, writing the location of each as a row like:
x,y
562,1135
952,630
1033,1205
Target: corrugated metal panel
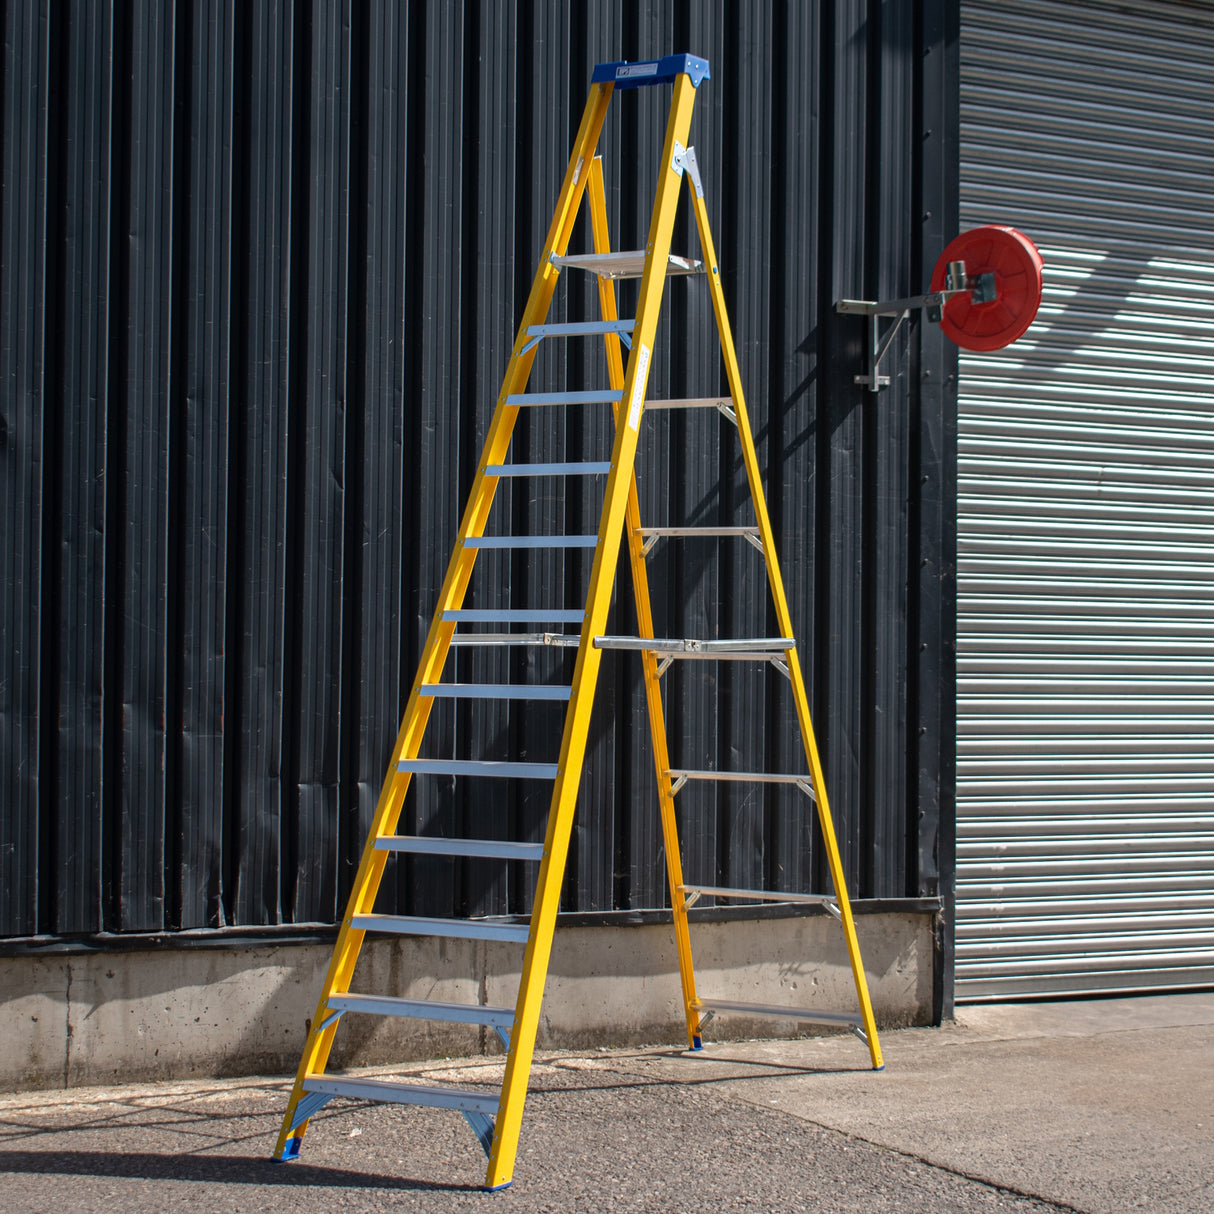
x,y
1085,855
274,254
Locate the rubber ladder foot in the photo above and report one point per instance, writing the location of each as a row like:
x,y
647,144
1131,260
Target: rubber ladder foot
x,y
697,1043
497,1188
290,1151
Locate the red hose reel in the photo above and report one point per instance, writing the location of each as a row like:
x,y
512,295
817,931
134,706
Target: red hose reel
x,y
1013,259
985,291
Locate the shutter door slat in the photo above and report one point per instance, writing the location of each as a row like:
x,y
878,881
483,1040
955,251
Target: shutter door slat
x,y
1085,712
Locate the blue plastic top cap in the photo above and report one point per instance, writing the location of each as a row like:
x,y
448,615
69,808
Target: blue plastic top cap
x,y
625,75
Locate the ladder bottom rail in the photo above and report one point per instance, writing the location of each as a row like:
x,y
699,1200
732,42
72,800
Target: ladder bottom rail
x,y
758,895
777,1011
738,777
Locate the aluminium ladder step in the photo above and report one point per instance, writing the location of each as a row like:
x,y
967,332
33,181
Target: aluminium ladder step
x,y
454,929
495,691
593,467
385,1092
513,542
484,849
596,396
629,263
524,615
478,767
423,1009
579,328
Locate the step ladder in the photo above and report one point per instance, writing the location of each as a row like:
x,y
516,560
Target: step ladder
x,y
496,1117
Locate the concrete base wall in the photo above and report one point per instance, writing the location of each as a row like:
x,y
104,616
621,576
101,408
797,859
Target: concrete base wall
x,y
110,1017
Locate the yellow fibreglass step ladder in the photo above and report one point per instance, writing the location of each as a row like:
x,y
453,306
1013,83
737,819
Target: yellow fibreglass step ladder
x,y
497,1119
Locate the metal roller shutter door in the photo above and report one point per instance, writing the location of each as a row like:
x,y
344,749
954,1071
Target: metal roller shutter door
x,y
1085,789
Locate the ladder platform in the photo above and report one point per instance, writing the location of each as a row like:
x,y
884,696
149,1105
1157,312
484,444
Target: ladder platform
x,y
594,467
478,767
597,396
484,849
784,1013
385,1092
740,649
759,895
423,1009
524,615
629,263
559,640
494,691
531,541
455,929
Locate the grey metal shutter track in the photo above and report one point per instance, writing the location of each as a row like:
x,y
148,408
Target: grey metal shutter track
x,y
1085,838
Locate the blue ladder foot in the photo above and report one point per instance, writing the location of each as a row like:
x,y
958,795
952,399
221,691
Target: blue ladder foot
x,y
290,1151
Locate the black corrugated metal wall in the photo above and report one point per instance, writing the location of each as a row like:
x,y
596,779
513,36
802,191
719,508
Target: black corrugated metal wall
x,y
261,267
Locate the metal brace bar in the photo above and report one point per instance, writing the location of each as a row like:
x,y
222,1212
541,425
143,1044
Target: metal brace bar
x,y
482,1127
755,541
859,1032
664,665
674,788
308,1104
728,414
331,1018
691,900
647,545
807,788
704,1022
981,288
782,666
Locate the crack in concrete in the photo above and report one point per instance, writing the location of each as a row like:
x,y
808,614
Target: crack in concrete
x,y
67,1036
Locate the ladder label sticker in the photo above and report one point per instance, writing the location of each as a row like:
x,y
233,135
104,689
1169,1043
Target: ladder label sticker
x,y
628,71
638,388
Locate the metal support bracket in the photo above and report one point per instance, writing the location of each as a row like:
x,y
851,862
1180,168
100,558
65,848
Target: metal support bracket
x,y
981,289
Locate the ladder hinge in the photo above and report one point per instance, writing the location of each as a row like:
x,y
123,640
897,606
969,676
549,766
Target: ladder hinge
x,y
684,159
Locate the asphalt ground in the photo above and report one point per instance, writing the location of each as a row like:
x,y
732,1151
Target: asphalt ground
x,y
1103,1105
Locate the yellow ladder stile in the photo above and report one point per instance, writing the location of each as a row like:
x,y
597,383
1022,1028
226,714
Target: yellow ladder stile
x,y
497,1120
649,666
